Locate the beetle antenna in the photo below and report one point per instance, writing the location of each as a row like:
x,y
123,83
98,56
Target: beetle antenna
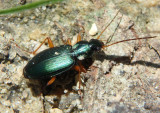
x,y
111,36
108,24
128,40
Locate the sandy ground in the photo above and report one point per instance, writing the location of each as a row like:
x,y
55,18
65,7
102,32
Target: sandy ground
x,y
122,78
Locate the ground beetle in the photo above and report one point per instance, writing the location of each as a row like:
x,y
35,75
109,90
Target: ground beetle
x,y
57,60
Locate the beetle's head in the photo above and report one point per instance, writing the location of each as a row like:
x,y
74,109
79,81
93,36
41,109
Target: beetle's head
x,y
96,45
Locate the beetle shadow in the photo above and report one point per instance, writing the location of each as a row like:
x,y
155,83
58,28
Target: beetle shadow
x,y
101,56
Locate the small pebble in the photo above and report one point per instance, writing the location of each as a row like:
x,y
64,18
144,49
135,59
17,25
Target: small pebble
x,y
93,31
65,91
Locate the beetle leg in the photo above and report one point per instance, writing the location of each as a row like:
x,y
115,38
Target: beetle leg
x,y
79,38
68,41
34,52
49,42
51,81
80,69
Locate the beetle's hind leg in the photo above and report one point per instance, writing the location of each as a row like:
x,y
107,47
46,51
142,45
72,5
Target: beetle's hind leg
x,y
34,52
49,42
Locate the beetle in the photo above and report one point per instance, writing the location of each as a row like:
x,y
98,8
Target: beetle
x,y
54,61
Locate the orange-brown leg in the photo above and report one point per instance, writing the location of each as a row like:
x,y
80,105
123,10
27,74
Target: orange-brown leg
x,y
79,38
34,52
51,81
80,69
49,42
68,41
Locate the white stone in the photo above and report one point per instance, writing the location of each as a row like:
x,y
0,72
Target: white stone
x,y
93,30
